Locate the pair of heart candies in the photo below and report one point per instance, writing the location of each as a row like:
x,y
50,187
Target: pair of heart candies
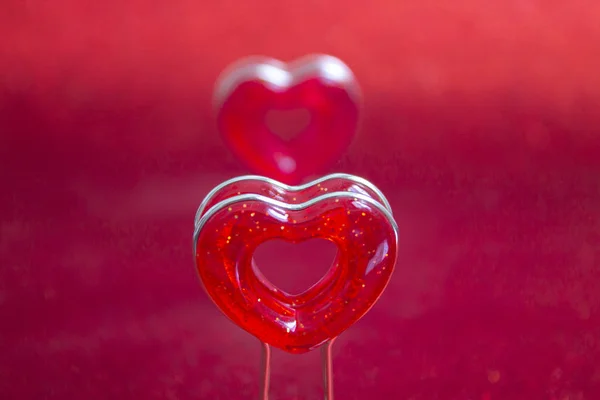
x,y
241,214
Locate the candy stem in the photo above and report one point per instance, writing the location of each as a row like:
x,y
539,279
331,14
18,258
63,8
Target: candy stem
x,y
327,367
265,361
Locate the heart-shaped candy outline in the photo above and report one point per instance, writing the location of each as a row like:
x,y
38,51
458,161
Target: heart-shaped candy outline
x,y
253,280
242,123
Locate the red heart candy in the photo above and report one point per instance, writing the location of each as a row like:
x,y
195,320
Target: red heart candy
x,y
227,234
323,85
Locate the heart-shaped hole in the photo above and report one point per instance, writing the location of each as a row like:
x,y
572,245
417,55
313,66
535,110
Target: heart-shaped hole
x,y
294,268
287,124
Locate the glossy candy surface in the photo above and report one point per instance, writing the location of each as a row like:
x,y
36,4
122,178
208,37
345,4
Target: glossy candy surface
x,y
250,89
361,227
290,194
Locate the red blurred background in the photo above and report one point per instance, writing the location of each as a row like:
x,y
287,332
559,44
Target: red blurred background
x,y
481,125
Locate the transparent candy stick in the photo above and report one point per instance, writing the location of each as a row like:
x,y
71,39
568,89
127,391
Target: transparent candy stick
x,y
326,368
265,367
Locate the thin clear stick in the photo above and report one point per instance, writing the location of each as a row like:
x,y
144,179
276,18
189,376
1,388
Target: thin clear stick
x,y
265,361
327,368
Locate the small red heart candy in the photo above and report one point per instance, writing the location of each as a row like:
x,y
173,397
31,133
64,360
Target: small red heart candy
x,y
228,232
252,88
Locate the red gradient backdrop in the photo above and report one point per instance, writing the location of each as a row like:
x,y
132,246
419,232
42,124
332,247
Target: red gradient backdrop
x,y
481,124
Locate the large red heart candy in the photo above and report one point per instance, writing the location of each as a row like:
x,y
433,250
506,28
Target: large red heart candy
x,y
323,85
360,226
